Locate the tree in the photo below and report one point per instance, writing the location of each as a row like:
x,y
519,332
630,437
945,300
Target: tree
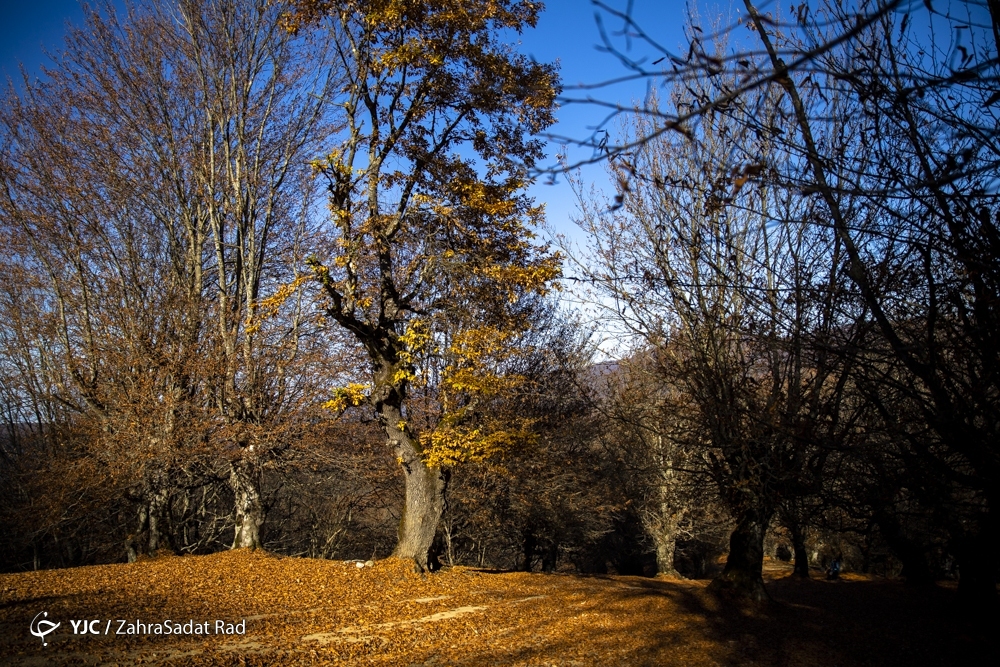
x,y
554,495
893,133
261,97
742,301
910,199
154,184
429,231
646,423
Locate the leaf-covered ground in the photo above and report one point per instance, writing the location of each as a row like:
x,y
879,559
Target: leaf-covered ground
x,y
299,611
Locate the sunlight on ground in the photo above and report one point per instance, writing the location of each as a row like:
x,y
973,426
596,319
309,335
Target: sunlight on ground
x,y
300,611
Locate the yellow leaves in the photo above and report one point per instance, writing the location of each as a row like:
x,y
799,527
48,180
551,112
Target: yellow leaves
x,y
480,342
413,51
481,382
514,279
320,272
416,338
353,395
332,165
487,199
451,445
268,308
385,15
476,357
415,342
403,375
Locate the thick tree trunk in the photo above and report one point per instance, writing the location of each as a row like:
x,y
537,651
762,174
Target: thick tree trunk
x,y
665,549
425,493
744,566
154,516
425,489
799,549
550,557
159,522
665,537
425,485
248,504
528,547
909,552
133,543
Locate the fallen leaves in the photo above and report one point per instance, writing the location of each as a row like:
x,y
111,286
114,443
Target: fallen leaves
x,y
301,611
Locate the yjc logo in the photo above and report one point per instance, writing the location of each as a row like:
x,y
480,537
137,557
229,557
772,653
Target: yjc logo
x,y
42,627
83,627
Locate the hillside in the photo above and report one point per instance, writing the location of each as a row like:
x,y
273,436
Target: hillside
x,y
300,611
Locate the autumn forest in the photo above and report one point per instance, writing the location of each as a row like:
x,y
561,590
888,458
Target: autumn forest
x,y
273,280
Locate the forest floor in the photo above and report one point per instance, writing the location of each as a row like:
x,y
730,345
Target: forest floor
x,y
300,611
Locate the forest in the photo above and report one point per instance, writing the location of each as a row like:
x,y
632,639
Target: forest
x,y
272,279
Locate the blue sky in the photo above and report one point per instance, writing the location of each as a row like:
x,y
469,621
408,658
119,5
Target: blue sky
x,y
566,32
26,26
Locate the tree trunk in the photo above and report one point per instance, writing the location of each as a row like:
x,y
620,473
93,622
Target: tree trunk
x,y
550,557
158,520
133,542
248,504
665,537
799,549
909,552
424,504
665,556
528,551
449,550
157,502
425,485
745,563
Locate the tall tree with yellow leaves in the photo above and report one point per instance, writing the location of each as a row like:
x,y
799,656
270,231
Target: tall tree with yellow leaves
x,y
431,264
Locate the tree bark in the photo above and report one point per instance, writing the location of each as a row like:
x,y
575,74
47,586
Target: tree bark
x,y
909,552
158,522
425,485
799,549
425,493
424,505
550,557
665,537
528,556
248,504
745,563
157,511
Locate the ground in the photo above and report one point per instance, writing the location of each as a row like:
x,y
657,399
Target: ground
x,y
301,611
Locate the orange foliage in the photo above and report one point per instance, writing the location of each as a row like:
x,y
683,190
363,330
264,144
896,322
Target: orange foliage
x,y
315,612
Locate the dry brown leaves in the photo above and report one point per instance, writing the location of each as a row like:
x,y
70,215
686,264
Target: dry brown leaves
x,y
313,612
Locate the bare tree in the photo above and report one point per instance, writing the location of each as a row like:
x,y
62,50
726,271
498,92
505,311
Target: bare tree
x,y
911,199
156,182
743,300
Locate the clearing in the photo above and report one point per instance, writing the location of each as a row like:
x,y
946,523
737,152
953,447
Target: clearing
x,y
299,611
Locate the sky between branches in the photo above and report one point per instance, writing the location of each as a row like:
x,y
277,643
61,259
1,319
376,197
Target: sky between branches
x,y
566,32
